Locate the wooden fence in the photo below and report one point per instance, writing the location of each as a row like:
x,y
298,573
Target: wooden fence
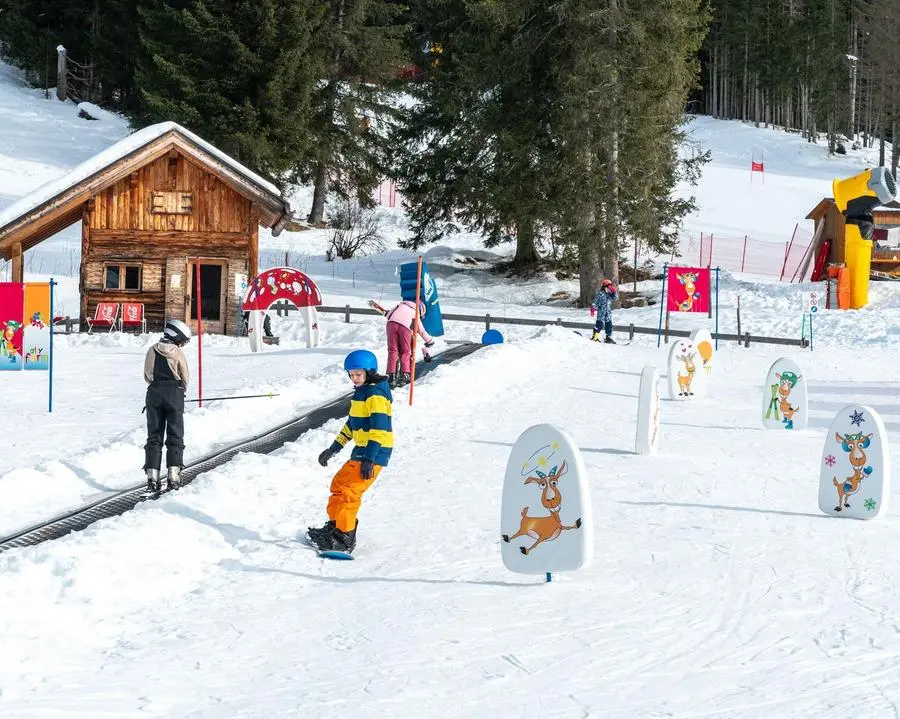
x,y
486,319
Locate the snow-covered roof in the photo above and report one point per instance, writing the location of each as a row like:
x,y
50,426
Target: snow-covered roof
x,y
48,191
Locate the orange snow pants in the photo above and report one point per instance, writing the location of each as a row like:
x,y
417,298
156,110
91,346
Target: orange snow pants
x,y
347,489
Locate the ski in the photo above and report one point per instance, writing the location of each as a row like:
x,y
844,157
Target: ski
x,y
374,305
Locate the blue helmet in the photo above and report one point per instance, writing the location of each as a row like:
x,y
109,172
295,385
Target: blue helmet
x,y
361,359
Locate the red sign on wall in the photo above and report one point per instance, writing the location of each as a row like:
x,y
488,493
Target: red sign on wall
x,y
688,289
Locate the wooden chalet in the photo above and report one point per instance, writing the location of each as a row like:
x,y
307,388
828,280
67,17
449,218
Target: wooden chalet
x,y
151,207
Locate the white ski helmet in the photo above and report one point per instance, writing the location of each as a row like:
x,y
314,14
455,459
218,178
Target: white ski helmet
x,y
177,332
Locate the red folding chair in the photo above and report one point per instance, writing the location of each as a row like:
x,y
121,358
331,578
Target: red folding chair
x,y
106,315
133,316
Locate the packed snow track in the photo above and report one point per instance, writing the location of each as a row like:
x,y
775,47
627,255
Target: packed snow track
x,y
126,499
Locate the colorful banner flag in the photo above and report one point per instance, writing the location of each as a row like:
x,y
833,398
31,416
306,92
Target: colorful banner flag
x,y
433,322
11,325
36,338
688,289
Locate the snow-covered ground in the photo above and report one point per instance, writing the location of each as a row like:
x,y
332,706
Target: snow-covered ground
x,y
717,587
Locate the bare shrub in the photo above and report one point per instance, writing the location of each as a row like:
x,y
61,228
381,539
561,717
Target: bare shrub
x,y
356,231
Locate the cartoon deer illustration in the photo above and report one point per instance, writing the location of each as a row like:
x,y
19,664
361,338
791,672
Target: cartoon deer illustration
x,y
855,445
686,377
689,280
544,529
786,382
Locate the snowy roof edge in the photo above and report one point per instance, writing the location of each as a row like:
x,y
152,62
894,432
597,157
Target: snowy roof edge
x,y
110,155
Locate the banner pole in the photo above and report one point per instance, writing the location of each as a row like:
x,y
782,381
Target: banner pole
x,y
662,302
415,328
717,309
199,338
50,378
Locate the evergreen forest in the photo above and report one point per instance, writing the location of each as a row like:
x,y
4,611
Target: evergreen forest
x,y
558,126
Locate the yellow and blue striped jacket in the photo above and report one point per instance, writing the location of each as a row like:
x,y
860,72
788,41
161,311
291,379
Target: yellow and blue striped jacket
x,y
369,424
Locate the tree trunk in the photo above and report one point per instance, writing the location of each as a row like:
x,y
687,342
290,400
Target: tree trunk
x,y
526,253
320,191
611,217
895,148
589,272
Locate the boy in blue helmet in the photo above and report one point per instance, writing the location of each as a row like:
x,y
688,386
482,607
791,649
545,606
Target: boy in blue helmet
x,y
369,426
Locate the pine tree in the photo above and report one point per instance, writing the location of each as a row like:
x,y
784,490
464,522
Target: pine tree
x,y
478,139
237,74
359,46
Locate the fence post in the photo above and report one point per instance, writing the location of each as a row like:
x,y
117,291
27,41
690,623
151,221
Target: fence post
x,y
347,314
631,331
747,340
787,251
709,263
487,322
62,82
700,263
559,321
744,253
739,318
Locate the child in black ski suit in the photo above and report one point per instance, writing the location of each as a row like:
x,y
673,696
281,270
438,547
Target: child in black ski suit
x,y
167,376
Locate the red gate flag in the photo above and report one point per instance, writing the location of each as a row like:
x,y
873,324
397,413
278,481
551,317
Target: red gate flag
x,y
12,306
688,289
757,167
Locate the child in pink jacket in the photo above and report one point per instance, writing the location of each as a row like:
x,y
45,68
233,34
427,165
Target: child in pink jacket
x,y
400,322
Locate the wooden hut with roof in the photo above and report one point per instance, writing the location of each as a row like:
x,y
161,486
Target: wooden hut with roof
x,y
152,208
830,226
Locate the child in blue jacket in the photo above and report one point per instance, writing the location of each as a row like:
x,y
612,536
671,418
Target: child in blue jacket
x,y
602,306
369,428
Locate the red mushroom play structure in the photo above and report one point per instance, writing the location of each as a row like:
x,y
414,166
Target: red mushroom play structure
x,y
282,283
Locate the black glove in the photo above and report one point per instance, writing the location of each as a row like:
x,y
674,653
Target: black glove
x,y
326,455
430,344
366,469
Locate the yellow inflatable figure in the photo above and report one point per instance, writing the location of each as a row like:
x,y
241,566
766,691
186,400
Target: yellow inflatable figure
x,y
856,197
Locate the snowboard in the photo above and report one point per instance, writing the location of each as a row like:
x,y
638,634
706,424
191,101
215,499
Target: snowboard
x,y
326,553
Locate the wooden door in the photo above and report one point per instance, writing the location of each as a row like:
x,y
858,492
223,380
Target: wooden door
x,y
213,286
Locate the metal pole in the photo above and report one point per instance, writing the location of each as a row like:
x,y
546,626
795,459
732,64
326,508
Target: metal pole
x,y
415,329
662,301
50,378
199,337
744,254
810,333
717,308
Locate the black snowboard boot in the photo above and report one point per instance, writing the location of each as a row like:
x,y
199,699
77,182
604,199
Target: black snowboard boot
x,y
403,379
392,380
344,541
609,341
315,533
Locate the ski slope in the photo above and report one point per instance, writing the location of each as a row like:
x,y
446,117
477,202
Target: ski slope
x,y
717,588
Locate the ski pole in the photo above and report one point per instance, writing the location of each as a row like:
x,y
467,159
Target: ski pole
x,y
243,396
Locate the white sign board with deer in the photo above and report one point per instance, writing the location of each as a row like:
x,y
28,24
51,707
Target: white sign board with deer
x,y
785,396
687,380
545,513
647,433
855,474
